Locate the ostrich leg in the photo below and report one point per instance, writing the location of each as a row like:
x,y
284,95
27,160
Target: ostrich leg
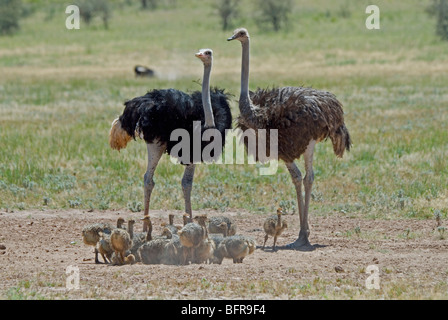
x,y
155,152
187,185
308,180
296,177
302,242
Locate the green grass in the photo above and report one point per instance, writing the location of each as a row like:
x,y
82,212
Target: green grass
x,y
60,89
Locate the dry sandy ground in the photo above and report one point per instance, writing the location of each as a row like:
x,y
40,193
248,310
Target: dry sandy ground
x,y
37,247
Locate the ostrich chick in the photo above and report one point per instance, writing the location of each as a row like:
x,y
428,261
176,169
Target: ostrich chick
x,y
186,219
235,247
152,251
191,236
174,251
170,226
140,238
204,251
129,259
274,226
103,246
91,235
121,241
218,224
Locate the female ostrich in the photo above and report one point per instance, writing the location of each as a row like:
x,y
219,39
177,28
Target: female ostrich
x,y
157,114
303,117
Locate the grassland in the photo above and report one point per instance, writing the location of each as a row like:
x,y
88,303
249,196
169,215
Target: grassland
x,y
60,89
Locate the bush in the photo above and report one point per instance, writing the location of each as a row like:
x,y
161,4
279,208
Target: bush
x,y
227,9
150,4
274,12
439,9
89,9
10,13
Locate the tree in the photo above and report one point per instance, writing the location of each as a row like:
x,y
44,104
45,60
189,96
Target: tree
x,y
227,9
88,9
439,9
10,13
274,12
442,19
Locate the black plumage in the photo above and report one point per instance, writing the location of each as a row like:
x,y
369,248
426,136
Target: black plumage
x,y
142,71
158,113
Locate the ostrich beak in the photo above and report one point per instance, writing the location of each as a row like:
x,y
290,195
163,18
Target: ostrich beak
x,y
232,38
199,55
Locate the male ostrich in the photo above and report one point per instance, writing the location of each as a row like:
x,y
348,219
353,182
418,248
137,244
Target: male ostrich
x,y
303,117
142,71
158,113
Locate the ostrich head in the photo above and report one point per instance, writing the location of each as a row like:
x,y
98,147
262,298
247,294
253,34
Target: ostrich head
x,y
120,222
240,34
147,220
206,56
279,211
201,220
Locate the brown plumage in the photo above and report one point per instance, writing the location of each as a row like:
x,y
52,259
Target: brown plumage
x,y
158,250
235,247
91,234
129,259
170,226
139,238
274,226
153,251
174,251
103,246
203,253
300,115
222,224
186,219
121,241
192,235
302,118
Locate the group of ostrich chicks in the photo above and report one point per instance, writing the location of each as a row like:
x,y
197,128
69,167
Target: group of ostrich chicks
x,y
192,242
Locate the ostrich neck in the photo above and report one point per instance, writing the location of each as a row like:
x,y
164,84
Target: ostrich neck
x,y
206,100
245,70
131,230
245,104
149,233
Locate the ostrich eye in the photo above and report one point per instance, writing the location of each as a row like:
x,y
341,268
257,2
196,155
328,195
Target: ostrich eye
x,y
208,53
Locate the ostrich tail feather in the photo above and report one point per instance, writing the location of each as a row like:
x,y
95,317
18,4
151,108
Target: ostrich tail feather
x,y
118,137
341,141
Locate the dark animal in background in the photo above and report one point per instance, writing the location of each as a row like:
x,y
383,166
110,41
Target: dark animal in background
x,y
303,117
142,71
157,114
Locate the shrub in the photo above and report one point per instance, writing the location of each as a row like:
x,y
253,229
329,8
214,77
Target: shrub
x,y
439,9
10,13
227,9
274,12
89,9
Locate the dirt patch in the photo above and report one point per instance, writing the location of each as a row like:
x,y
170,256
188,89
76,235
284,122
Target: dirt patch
x,y
411,256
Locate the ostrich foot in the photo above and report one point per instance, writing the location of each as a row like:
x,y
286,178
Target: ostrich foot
x,y
301,244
